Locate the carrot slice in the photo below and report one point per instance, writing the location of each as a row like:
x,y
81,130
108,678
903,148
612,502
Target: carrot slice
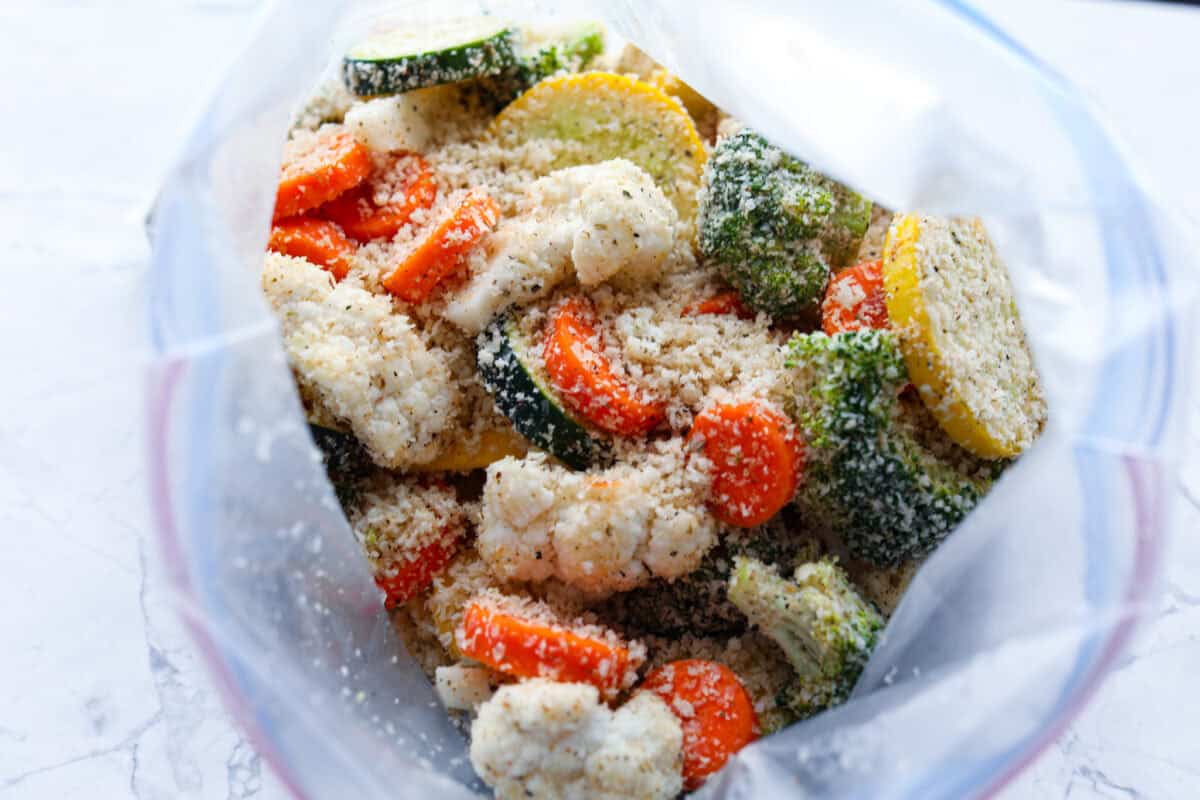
x,y
714,709
729,303
319,169
583,375
757,456
316,240
412,577
411,186
439,253
527,648
855,300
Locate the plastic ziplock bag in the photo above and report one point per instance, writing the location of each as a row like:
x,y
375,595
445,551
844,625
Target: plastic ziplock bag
x,y
1007,628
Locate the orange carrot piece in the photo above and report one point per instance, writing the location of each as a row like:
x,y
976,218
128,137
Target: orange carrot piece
x,y
714,709
529,649
317,170
412,577
356,212
321,242
855,300
729,303
585,378
439,253
757,457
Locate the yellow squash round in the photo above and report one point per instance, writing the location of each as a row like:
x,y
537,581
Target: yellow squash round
x,y
945,299
596,116
493,445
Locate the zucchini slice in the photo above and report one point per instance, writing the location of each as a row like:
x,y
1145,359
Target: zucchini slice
x,y
504,365
597,116
540,55
403,59
346,461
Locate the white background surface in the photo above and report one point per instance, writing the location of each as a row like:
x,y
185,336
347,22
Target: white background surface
x,y
100,696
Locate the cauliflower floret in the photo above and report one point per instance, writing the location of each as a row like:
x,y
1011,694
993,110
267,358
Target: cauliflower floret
x,y
462,687
600,533
542,739
408,121
388,123
642,752
601,218
363,363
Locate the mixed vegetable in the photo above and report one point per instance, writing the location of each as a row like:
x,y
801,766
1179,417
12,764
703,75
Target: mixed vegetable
x,y
619,398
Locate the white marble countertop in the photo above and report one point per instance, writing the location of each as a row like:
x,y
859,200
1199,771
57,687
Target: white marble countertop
x,y
101,695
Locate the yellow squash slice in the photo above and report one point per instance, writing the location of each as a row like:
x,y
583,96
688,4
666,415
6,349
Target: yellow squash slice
x,y
950,300
635,61
702,111
464,455
595,116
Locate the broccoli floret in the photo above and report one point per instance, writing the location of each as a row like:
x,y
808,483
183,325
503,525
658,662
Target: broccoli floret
x,y
570,50
879,470
775,225
825,629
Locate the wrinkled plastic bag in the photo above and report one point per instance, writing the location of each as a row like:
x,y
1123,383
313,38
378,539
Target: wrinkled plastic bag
x,y
1005,631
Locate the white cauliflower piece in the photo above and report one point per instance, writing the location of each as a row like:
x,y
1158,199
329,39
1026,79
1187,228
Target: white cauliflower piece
x,y
642,752
400,122
600,533
385,124
363,363
599,218
628,225
542,739
462,687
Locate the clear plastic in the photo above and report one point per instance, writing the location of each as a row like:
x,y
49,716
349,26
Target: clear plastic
x,y
1005,631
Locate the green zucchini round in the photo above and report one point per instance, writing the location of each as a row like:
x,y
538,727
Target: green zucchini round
x,y
529,405
404,59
